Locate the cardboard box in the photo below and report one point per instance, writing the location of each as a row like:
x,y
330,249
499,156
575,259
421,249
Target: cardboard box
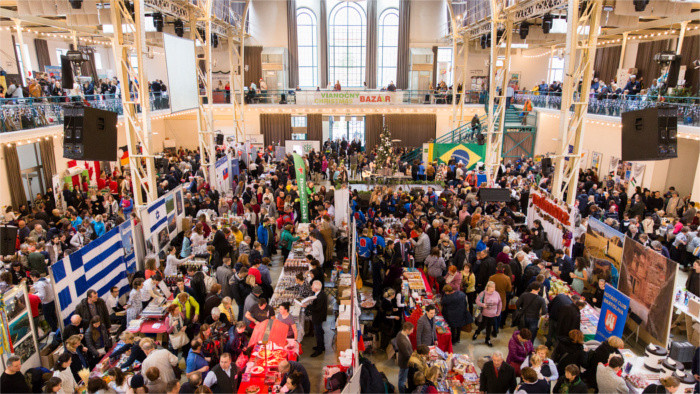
x,y
344,315
47,360
343,339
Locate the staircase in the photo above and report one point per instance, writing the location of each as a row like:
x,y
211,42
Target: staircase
x,y
465,133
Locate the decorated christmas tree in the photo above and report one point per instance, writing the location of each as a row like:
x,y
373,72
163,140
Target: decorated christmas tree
x,y
385,149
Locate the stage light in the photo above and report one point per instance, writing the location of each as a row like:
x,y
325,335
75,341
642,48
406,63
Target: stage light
x,y
158,21
524,29
640,5
76,4
179,28
547,23
214,40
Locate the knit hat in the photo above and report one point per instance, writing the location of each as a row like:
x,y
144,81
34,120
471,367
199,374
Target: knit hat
x,y
137,381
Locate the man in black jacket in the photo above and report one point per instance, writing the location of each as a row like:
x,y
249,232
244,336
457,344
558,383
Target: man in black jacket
x,y
497,376
569,318
486,269
92,306
220,242
319,310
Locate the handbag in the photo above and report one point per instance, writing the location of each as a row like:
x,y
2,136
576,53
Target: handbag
x,y
179,339
519,315
478,316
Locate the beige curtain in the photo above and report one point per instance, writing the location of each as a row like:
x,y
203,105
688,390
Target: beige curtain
x,y
42,53
373,128
252,58
14,176
276,128
606,61
403,61
314,127
48,161
412,130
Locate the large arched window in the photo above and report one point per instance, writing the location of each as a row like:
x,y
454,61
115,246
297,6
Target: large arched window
x,y
308,48
346,44
388,42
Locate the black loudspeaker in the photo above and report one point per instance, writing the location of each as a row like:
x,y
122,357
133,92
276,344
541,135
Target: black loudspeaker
x,y
219,139
650,134
8,239
487,194
546,166
673,69
66,73
89,134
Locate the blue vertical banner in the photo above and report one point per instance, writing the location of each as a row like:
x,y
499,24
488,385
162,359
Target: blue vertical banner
x,y
613,314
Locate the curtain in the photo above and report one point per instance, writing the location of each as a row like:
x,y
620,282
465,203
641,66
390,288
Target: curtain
x,y
371,57
647,69
14,176
402,61
92,69
48,161
42,53
323,45
276,128
607,59
435,52
412,130
252,58
689,53
314,127
373,128
292,44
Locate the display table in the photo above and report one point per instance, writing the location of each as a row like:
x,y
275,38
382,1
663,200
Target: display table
x,y
444,335
261,369
457,372
589,314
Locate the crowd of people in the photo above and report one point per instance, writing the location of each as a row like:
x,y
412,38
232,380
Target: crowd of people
x,y
478,257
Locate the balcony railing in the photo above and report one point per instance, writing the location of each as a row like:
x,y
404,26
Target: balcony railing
x,y
28,113
614,105
363,97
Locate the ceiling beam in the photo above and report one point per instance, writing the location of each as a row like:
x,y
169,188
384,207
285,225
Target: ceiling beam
x,y
665,22
4,12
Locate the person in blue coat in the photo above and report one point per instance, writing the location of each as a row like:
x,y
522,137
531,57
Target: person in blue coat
x,y
264,236
99,226
455,311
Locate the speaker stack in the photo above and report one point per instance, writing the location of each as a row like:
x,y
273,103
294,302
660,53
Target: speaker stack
x,y
650,134
89,134
8,238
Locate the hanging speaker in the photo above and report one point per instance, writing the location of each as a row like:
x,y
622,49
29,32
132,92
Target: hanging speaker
x,y
219,139
8,239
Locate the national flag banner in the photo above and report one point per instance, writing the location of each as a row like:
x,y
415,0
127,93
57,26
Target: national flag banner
x,y
225,173
467,154
99,266
300,169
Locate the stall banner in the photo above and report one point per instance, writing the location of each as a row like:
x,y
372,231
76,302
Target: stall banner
x,y
235,168
348,98
613,314
162,219
222,170
556,216
99,266
126,231
302,147
648,278
467,154
300,168
603,247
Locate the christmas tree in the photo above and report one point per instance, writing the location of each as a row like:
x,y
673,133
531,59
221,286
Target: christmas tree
x,y
385,149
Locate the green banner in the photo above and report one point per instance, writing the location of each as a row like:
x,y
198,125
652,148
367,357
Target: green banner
x,y
468,154
300,169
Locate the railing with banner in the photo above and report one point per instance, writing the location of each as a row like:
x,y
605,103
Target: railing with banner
x,y
32,112
615,104
362,97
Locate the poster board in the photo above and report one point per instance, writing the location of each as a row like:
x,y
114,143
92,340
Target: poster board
x,y
17,332
556,216
162,220
301,147
648,279
603,247
596,158
613,314
223,174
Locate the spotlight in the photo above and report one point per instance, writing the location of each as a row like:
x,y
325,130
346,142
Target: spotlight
x,y
179,28
483,41
488,40
639,5
524,29
76,4
547,23
499,35
158,21
214,40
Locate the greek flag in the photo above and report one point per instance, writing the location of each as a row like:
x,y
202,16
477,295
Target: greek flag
x,y
99,265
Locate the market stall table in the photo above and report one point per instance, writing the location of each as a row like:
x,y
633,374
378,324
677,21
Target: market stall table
x,y
444,335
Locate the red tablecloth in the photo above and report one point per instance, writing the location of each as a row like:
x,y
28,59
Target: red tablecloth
x,y
444,340
260,382
147,327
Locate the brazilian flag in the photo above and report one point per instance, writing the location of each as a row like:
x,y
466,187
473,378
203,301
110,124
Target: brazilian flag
x,y
467,154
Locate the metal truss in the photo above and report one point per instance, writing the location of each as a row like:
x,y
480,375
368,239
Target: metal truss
x,y
135,96
458,105
200,15
501,20
236,48
581,42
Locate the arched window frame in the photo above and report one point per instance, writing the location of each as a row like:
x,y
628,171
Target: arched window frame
x,y
347,44
387,46
307,47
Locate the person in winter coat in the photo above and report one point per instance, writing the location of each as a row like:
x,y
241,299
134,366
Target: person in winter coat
x,y
421,247
601,355
97,340
545,367
240,290
497,376
490,303
531,383
607,378
503,286
570,381
569,351
418,362
434,267
519,347
455,311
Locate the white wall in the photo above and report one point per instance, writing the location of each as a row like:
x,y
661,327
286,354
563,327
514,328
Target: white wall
x,y
428,23
268,23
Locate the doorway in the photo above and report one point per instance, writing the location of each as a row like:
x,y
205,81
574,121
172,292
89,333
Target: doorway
x,y
33,182
349,128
